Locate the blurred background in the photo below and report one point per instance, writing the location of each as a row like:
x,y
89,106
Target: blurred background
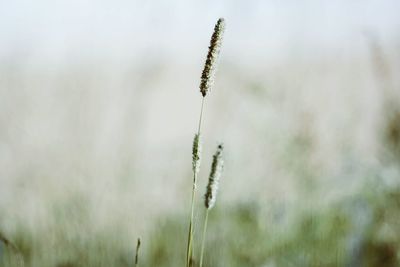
x,y
99,103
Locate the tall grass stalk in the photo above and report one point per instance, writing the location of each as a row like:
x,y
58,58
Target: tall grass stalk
x,y
207,80
196,168
210,196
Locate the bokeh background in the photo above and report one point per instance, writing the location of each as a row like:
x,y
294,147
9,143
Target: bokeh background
x,y
99,103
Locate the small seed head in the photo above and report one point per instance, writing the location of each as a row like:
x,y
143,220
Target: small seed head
x,y
213,180
196,153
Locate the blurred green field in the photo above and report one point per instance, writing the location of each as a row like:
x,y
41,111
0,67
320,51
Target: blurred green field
x,y
358,230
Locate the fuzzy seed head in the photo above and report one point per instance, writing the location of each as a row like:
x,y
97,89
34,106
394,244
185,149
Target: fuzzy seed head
x,y
213,181
208,74
196,153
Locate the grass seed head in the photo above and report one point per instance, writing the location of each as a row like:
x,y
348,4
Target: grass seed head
x,y
207,76
196,153
213,180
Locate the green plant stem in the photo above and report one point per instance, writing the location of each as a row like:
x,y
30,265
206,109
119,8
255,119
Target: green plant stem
x,y
137,253
204,238
17,252
189,251
201,115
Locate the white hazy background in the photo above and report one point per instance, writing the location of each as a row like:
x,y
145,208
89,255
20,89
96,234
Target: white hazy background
x,y
99,101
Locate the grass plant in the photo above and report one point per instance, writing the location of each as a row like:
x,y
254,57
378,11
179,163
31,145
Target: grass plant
x,y
207,80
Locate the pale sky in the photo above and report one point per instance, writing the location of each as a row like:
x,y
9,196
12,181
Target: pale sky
x,y
52,29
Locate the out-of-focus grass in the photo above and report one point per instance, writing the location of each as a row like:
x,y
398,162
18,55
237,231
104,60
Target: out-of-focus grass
x,y
358,226
358,230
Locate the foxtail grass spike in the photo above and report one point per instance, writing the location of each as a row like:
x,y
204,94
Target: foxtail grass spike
x,y
207,76
196,154
213,180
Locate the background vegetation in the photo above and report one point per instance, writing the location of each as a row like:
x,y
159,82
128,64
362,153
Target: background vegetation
x,y
99,104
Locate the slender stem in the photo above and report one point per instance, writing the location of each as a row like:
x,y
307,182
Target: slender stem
x,y
204,238
137,253
201,115
189,251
